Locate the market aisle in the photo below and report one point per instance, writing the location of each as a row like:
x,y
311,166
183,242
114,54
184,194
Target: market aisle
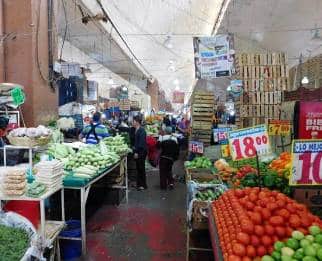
x,y
150,228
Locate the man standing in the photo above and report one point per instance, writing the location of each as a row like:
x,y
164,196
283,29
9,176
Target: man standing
x,y
140,152
94,132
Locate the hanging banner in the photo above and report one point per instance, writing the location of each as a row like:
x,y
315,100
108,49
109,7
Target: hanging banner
x,y
178,97
92,90
246,143
279,127
213,58
306,162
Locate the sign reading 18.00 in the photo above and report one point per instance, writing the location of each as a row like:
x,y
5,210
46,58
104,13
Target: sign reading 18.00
x,y
306,167
245,143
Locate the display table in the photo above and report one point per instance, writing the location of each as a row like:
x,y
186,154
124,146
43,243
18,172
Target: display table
x,y
84,191
214,236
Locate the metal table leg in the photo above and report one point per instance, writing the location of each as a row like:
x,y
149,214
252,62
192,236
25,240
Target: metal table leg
x,y
42,218
126,181
62,197
83,220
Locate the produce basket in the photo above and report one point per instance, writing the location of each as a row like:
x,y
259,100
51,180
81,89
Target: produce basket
x,y
200,215
193,174
29,142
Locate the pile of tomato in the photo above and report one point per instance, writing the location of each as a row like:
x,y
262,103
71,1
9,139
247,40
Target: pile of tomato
x,y
249,221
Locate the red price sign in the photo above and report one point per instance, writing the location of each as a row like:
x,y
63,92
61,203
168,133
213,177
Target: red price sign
x,y
306,162
245,143
196,147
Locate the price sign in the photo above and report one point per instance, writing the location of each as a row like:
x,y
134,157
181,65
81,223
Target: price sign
x,y
225,151
279,127
221,135
196,147
245,143
306,162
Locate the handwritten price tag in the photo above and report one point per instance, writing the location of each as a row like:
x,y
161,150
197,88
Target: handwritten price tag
x,y
196,147
306,162
245,143
279,127
221,135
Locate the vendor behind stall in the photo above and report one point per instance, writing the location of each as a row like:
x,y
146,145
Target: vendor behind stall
x,y
94,132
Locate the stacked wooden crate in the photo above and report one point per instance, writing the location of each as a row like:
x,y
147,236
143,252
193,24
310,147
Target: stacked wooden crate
x,y
265,77
202,110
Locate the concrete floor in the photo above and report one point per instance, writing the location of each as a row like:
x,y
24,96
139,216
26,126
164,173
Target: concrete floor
x,y
151,227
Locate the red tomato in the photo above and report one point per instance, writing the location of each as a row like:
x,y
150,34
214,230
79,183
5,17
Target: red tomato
x,y
261,251
259,230
269,230
246,258
280,203
243,238
247,227
256,218
249,205
289,231
272,206
265,213
294,221
234,258
253,197
251,251
254,240
280,231
276,220
239,193
266,240
284,213
258,209
303,230
270,249
239,249
274,238
291,208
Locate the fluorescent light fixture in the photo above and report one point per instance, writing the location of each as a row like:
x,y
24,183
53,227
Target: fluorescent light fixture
x,y
305,80
110,80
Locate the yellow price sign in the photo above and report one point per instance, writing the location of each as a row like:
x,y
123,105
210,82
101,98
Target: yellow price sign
x,y
279,127
225,151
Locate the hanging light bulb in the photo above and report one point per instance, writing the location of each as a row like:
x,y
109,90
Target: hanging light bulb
x,y
171,67
110,80
305,80
168,42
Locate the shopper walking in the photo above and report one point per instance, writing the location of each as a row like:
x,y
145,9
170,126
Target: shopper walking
x,y
140,152
94,132
169,154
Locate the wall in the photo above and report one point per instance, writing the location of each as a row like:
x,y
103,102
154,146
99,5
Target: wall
x,y
153,91
20,18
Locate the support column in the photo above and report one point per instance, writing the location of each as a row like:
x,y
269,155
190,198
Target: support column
x,y
26,57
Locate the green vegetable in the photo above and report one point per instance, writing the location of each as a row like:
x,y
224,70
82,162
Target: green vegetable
x,y
269,180
310,238
279,245
319,254
267,258
318,239
314,230
309,251
286,258
286,251
276,255
305,242
299,254
298,235
292,243
14,242
316,246
309,258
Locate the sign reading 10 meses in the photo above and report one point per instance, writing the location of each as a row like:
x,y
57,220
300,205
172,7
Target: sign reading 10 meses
x,y
306,162
249,142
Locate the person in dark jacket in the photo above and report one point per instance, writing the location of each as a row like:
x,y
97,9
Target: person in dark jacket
x,y
169,154
140,152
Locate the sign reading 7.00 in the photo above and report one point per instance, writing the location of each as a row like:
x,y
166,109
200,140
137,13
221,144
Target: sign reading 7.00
x,y
246,143
306,162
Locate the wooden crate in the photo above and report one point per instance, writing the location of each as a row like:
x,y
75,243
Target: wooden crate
x,y
311,197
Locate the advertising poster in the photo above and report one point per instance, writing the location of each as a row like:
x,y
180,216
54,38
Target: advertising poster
x,y
310,120
213,58
178,97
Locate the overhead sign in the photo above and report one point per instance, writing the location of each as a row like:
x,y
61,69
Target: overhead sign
x,y
306,162
221,135
125,105
178,97
196,147
279,127
213,57
246,143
